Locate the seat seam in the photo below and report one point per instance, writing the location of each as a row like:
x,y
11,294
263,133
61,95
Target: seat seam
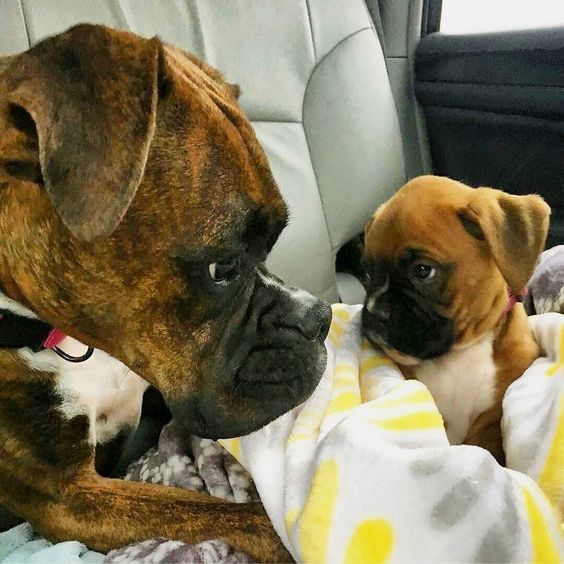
x,y
330,52
200,31
22,10
310,29
120,13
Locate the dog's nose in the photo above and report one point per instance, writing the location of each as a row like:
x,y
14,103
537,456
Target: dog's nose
x,y
300,311
294,308
313,320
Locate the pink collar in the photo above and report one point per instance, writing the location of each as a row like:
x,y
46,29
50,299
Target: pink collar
x,y
513,299
17,331
53,339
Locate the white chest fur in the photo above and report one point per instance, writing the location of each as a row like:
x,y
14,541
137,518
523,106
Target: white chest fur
x,y
462,384
101,387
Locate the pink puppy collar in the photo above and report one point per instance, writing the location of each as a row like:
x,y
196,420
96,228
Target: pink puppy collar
x,y
513,299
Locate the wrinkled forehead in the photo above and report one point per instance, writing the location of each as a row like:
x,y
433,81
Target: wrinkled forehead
x,y
206,92
189,69
207,166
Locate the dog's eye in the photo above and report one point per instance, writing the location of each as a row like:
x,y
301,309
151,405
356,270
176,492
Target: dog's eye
x,y
225,271
424,271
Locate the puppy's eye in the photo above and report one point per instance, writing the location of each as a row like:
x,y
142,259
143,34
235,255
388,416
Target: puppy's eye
x,y
424,271
225,271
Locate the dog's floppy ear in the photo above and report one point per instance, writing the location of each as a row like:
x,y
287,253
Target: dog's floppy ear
x,y
514,228
92,94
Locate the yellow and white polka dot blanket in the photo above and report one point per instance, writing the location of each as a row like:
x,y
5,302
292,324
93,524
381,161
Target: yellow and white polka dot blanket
x,y
363,472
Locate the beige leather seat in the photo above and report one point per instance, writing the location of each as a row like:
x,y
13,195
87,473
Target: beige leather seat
x,y
314,83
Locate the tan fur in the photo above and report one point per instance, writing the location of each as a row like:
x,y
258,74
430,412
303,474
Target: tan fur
x,y
492,240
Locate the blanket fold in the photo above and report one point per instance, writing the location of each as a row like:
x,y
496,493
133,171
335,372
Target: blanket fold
x,y
363,471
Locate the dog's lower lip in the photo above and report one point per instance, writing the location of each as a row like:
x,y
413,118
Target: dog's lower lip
x,y
269,382
264,348
280,392
238,377
258,349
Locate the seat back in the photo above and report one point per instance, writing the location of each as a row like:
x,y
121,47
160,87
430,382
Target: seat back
x,y
314,84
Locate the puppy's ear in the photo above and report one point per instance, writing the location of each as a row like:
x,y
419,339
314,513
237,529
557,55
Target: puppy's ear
x,y
91,95
514,228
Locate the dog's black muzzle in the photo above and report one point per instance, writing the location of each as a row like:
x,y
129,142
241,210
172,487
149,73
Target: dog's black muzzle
x,y
272,361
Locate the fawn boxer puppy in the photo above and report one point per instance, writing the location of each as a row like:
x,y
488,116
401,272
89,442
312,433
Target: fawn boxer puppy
x,y
136,211
446,265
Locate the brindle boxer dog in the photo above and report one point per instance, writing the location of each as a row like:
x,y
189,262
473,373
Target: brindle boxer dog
x,y
136,211
446,264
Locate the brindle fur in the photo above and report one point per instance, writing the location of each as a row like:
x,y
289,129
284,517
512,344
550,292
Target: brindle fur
x,y
126,166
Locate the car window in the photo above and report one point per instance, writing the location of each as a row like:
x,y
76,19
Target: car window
x,y
477,16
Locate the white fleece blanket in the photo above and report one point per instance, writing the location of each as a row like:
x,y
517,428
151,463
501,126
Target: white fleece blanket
x,y
363,471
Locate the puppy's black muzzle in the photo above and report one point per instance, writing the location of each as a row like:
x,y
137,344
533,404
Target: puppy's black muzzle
x,y
410,325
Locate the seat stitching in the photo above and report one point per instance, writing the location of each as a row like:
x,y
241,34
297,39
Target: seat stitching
x,y
330,52
119,14
200,30
310,29
22,10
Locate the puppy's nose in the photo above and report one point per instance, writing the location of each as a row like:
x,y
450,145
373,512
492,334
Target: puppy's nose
x,y
311,316
378,309
381,315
